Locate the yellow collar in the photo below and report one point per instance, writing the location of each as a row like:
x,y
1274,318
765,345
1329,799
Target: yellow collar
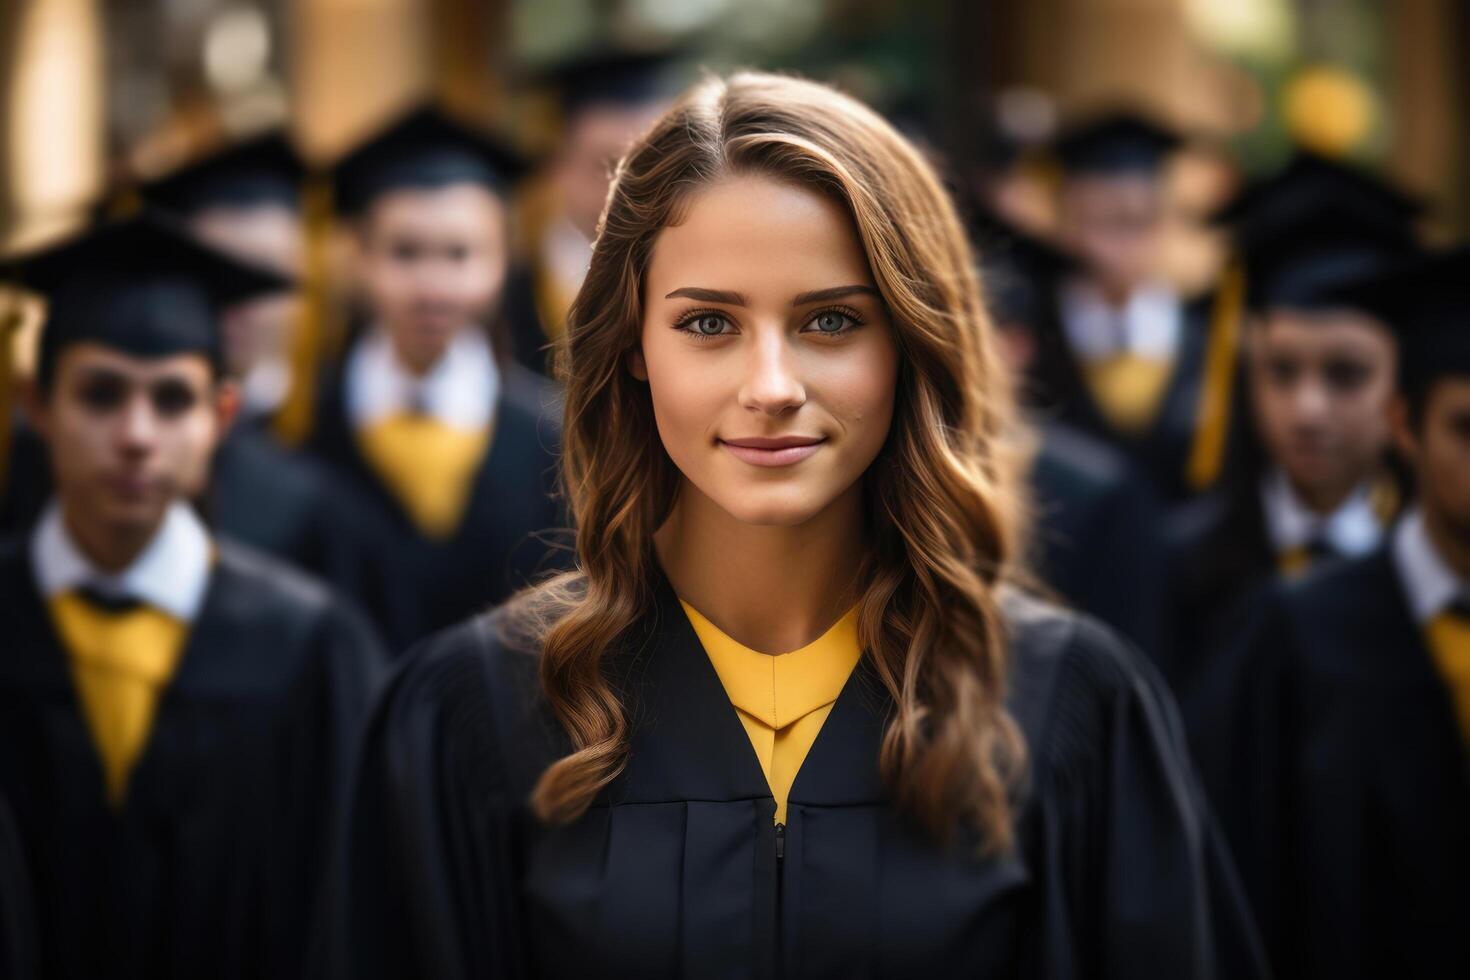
x,y
780,689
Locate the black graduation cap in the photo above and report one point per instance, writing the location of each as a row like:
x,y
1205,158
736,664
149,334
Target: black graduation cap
x,y
612,76
258,171
1120,142
1300,261
143,285
424,148
1427,304
1018,269
1309,180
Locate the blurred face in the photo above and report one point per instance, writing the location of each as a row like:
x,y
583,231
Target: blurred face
x,y
269,235
596,138
129,436
768,353
1115,224
1439,452
1321,383
433,262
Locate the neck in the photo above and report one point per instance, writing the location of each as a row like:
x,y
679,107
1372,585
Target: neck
x,y
417,362
1450,541
110,547
1321,500
773,589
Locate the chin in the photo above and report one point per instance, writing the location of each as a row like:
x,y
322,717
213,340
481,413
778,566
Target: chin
x,y
765,509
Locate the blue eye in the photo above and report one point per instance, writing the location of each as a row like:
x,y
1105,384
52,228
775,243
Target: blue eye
x,y
833,322
704,324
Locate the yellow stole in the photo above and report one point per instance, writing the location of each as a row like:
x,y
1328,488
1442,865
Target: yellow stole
x,y
121,661
782,700
1448,638
1128,388
429,466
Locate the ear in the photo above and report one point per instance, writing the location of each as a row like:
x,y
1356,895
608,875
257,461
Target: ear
x,y
226,405
637,366
1405,439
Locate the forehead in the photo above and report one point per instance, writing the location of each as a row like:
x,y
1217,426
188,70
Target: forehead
x,y
1121,188
762,237
1322,329
270,234
88,357
454,209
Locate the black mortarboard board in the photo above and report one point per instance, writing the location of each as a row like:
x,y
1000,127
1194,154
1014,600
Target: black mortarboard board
x,y
1427,304
1122,142
143,285
1300,261
262,170
1307,181
607,76
423,149
1018,269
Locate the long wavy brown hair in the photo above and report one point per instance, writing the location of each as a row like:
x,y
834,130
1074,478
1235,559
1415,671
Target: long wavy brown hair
x,y
942,498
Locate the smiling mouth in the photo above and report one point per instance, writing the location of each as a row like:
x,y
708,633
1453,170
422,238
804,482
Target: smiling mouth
x,y
780,451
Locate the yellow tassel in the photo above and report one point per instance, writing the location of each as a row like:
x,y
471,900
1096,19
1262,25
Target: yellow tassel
x,y
1207,454
293,422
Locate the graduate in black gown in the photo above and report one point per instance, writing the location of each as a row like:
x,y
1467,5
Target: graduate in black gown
x,y
1319,376
620,774
1344,723
1095,522
17,912
1125,356
454,443
176,712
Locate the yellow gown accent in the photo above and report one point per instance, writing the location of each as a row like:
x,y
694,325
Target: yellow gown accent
x,y
1128,388
120,663
782,700
1294,562
1448,636
430,467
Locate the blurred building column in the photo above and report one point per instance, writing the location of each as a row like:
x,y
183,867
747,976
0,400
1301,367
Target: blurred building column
x,y
52,135
1429,95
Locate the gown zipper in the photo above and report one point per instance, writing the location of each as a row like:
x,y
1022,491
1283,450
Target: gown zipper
x,y
780,859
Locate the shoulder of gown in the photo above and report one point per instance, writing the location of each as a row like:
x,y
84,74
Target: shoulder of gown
x,y
1135,877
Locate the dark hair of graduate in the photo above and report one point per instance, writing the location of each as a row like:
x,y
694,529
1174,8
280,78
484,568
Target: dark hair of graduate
x,y
942,497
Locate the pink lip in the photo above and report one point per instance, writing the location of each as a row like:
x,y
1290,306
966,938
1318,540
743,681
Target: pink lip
x,y
781,451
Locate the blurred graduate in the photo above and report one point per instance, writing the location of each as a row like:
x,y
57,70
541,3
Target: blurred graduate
x,y
427,414
606,98
1095,523
1345,718
1125,358
1317,482
176,711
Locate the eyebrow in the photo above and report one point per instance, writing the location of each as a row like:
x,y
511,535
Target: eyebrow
x,y
732,298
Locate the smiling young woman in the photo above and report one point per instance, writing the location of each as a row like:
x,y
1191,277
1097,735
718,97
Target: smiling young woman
x,y
789,716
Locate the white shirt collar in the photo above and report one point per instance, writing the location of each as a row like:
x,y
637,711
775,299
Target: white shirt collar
x,y
567,254
1149,324
172,573
1351,530
461,390
1430,585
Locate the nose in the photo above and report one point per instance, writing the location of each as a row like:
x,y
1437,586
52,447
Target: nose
x,y
138,425
1312,402
772,383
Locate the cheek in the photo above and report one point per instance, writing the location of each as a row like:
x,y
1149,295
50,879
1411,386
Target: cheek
x,y
688,393
858,389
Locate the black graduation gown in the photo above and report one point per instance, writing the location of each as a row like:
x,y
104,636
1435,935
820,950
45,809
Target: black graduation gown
x,y
1161,451
1219,558
17,916
212,866
1096,534
285,504
530,342
676,869
1342,781
507,536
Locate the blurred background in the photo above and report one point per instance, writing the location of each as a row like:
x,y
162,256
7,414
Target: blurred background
x,y
96,92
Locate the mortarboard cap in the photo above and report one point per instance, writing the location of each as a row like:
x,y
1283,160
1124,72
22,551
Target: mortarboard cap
x,y
1427,305
258,171
1310,179
423,149
142,285
1121,142
605,76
